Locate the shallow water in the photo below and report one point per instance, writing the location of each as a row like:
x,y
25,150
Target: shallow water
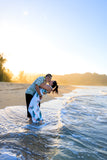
x,y
75,127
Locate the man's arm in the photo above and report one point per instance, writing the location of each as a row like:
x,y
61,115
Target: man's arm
x,y
37,85
46,87
38,91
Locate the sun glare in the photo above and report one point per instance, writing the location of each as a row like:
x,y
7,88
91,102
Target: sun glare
x,y
26,13
31,52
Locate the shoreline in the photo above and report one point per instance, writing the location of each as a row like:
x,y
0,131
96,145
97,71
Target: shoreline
x,y
62,90
13,94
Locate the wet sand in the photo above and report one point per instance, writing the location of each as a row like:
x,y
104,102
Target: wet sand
x,y
13,94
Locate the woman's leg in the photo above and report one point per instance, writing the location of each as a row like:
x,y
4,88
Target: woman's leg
x,y
28,99
34,109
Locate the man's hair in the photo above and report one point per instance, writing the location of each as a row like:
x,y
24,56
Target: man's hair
x,y
49,75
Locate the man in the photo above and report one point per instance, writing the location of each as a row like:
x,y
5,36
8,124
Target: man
x,y
34,87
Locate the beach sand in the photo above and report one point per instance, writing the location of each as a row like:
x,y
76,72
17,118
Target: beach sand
x,y
13,94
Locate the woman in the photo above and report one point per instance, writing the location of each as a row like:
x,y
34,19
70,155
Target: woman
x,y
34,108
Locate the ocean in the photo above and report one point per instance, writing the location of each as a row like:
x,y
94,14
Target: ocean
x,y
74,128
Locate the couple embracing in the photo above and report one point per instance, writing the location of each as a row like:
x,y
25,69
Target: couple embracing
x,y
34,95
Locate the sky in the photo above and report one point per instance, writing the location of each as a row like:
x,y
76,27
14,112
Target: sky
x,y
54,36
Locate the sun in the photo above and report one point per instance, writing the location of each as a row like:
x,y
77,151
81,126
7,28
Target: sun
x,y
26,13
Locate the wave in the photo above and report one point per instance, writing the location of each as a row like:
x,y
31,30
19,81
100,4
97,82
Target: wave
x,y
74,127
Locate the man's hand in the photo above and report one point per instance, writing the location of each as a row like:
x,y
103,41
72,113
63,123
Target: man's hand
x,y
40,97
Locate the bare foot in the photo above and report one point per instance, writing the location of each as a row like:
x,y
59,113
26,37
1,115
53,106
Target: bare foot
x,y
41,122
30,120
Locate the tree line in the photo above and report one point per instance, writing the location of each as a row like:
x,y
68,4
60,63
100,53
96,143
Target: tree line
x,y
5,74
68,79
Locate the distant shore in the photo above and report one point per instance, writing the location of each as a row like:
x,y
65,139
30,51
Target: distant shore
x,y
13,94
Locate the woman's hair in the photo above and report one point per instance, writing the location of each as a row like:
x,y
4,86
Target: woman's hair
x,y
55,87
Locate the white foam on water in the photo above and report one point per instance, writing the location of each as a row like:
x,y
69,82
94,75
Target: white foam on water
x,y
74,125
